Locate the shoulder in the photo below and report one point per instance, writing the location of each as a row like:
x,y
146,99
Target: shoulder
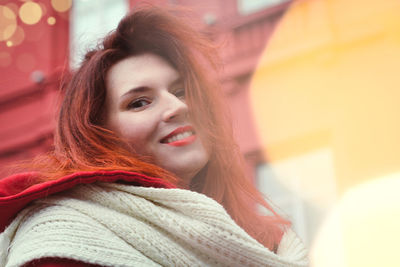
x,y
19,190
54,230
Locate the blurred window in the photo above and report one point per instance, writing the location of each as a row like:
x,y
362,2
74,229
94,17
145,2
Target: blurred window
x,y
91,21
250,6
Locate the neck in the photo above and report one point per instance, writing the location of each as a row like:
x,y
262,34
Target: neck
x,y
197,182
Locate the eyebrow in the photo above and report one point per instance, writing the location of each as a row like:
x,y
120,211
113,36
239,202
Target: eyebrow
x,y
136,90
142,89
178,81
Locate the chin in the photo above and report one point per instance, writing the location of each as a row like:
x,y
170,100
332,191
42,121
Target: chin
x,y
187,168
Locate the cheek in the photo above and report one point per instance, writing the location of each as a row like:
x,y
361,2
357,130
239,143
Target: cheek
x,y
206,143
137,132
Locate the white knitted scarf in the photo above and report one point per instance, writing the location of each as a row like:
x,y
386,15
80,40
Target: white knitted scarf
x,y
119,225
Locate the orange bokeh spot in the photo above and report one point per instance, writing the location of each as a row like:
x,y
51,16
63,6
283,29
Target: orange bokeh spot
x,y
8,23
51,20
30,13
17,37
61,5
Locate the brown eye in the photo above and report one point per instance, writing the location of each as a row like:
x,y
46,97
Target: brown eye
x,y
138,104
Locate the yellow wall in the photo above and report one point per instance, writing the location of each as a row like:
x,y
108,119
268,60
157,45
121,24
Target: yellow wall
x,y
330,77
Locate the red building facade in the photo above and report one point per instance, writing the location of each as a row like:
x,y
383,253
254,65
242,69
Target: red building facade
x,y
32,61
33,65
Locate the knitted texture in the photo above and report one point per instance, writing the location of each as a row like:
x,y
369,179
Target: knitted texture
x,y
119,225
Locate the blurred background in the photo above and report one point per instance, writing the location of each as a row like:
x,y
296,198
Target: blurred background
x,y
312,85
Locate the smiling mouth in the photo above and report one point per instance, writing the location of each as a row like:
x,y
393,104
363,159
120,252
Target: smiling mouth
x,y
180,137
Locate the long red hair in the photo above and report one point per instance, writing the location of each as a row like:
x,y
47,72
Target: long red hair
x,y
82,143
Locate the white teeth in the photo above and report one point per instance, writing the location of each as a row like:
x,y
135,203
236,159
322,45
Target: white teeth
x,y
179,136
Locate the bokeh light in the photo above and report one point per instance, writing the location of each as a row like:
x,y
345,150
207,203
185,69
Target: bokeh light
x,y
5,59
328,82
51,20
30,13
18,36
329,79
9,43
8,23
363,228
61,5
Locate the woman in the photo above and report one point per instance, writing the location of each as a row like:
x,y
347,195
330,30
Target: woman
x,y
143,159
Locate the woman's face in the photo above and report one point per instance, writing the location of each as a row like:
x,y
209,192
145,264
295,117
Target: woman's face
x,y
146,108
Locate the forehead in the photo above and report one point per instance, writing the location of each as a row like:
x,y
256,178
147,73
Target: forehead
x,y
148,70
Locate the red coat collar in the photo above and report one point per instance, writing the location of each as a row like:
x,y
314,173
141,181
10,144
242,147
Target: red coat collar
x,y
18,190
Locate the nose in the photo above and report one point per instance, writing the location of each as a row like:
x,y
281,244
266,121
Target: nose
x,y
175,108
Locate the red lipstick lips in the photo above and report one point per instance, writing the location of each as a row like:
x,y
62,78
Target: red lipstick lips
x,y
183,141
